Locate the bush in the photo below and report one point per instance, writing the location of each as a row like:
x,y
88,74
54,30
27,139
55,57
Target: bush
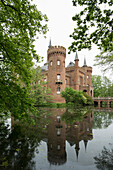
x,y
89,99
73,96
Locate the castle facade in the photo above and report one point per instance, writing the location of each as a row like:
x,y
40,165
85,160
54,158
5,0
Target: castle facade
x,y
59,77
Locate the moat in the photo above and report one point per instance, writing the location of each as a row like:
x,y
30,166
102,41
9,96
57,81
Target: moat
x,y
63,138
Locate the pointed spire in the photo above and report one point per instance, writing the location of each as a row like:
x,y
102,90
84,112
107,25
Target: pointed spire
x,y
77,150
85,62
49,43
85,143
76,56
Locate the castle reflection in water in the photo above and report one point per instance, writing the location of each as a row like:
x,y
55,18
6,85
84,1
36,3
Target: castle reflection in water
x,y
57,133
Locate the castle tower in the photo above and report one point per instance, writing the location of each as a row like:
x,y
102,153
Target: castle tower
x,y
88,79
56,72
76,73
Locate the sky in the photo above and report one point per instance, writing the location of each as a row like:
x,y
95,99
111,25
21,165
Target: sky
x,y
60,24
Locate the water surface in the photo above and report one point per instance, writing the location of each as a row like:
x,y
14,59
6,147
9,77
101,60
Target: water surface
x,y
63,138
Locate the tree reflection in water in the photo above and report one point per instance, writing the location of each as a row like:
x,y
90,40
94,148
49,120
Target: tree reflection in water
x,y
105,160
102,119
18,145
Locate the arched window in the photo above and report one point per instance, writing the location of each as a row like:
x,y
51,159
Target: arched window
x,y
58,147
58,62
58,90
58,76
51,63
58,119
64,63
91,92
58,132
85,91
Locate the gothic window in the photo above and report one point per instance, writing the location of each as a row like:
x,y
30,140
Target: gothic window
x,y
58,76
58,90
58,62
66,81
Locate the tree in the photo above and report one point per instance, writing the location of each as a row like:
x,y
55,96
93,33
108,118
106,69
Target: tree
x,y
105,159
39,88
89,99
19,23
103,87
73,96
105,59
94,25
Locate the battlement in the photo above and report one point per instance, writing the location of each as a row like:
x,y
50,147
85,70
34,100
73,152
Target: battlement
x,y
56,49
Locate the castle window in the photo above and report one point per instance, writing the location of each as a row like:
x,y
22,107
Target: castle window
x,y
58,90
87,77
51,63
58,62
58,119
66,81
58,132
58,76
64,63
58,147
51,146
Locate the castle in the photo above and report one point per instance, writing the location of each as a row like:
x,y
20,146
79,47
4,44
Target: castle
x,y
59,77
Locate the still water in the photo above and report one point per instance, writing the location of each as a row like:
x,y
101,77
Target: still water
x,y
62,138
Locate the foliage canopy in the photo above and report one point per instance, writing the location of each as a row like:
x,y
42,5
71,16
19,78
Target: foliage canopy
x,y
103,87
19,23
77,97
94,25
39,90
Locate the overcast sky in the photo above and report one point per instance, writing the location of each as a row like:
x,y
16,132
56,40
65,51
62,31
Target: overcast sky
x,y
59,13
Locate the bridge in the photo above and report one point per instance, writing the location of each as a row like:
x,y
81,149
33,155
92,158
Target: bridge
x,y
99,100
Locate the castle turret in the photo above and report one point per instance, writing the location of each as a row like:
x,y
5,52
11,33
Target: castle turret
x,y
87,79
85,65
49,44
56,71
76,73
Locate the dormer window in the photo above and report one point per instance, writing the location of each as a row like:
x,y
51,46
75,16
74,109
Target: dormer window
x,y
51,63
58,62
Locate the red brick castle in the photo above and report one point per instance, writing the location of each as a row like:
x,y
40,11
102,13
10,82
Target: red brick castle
x,y
59,77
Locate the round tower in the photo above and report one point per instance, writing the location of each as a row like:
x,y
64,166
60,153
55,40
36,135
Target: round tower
x,y
56,72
